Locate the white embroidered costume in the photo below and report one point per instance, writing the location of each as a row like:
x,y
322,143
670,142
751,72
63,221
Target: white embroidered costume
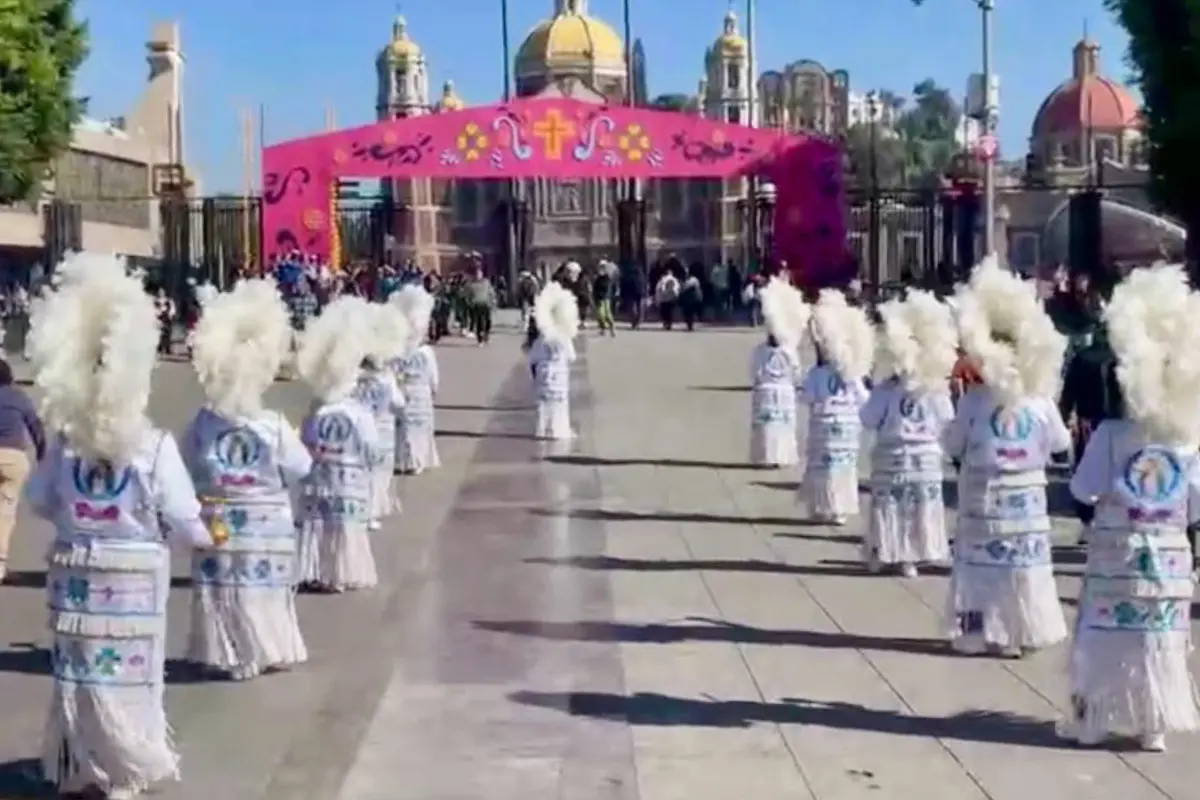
x,y
908,413
245,462
340,433
1129,660
379,390
1002,589
113,486
835,391
774,374
417,372
556,315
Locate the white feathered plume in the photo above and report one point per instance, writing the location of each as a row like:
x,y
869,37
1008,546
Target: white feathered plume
x,y
843,335
556,313
333,348
92,344
205,293
1153,331
239,344
918,341
785,313
417,306
391,333
1004,330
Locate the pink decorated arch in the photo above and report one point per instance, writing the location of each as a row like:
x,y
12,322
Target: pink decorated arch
x,y
567,139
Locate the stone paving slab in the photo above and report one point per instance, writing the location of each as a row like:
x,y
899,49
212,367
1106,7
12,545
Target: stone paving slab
x,y
639,615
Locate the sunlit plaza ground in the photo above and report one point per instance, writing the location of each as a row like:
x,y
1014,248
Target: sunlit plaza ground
x,y
639,617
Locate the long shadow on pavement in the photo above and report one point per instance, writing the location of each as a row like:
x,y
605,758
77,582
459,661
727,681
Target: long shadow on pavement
x,y
601,515
682,463
36,579
835,568
717,631
726,388
646,708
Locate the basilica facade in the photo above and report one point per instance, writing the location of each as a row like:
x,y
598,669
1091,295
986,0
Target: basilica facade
x,y
570,54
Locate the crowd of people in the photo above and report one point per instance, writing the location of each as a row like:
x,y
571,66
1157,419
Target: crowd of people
x,y
1136,479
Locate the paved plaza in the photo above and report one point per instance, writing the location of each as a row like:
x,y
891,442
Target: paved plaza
x,y
639,616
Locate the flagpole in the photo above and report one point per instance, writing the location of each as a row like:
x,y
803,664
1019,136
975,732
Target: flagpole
x,y
752,119
504,48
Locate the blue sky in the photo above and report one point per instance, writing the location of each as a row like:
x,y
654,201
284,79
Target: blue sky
x,y
301,57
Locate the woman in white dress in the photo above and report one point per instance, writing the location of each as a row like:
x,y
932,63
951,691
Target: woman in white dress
x,y
379,390
340,433
775,373
115,489
1003,597
417,372
1140,477
550,352
835,391
245,461
908,413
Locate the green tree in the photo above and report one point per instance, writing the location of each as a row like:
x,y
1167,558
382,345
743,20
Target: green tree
x,y
877,157
674,102
41,47
1164,52
928,127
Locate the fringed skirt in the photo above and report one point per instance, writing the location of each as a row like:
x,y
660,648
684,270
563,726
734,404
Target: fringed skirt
x,y
107,726
553,420
829,490
773,444
416,445
907,523
243,597
384,500
1002,588
335,548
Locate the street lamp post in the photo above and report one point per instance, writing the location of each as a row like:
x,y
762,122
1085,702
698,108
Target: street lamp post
x,y
752,234
874,221
986,7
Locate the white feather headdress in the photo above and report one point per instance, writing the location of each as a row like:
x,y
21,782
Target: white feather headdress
x,y
239,344
1003,328
391,334
92,345
843,335
785,313
556,313
205,293
918,341
333,347
1153,331
417,306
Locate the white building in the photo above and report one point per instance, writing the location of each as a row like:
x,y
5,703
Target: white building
x,y
865,107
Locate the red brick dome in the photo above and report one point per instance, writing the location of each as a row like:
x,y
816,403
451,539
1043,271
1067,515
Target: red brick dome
x,y
1086,100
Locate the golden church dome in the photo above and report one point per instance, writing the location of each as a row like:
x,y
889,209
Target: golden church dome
x,y
730,42
450,100
570,41
402,47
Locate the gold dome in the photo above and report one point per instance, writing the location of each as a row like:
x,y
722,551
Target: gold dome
x,y
450,100
570,41
402,48
731,43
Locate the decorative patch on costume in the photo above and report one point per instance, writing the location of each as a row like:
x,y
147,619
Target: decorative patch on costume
x,y
776,368
101,486
1140,615
334,434
245,569
1015,552
1012,429
970,623
126,594
238,453
102,661
373,393
1153,484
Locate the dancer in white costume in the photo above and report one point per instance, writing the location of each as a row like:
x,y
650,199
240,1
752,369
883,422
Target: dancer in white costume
x,y
1141,475
113,485
551,350
379,390
1002,592
417,371
340,433
835,391
908,413
245,462
775,374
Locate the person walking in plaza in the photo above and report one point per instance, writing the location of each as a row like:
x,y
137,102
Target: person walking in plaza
x,y
417,372
604,289
691,300
835,391
481,298
550,350
908,413
774,373
1139,481
340,433
114,487
1003,597
378,389
245,461
666,297
164,309
528,287
20,431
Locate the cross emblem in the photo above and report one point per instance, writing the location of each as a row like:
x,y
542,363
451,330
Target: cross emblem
x,y
553,130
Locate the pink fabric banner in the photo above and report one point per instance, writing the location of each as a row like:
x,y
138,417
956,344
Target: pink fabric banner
x,y
559,138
